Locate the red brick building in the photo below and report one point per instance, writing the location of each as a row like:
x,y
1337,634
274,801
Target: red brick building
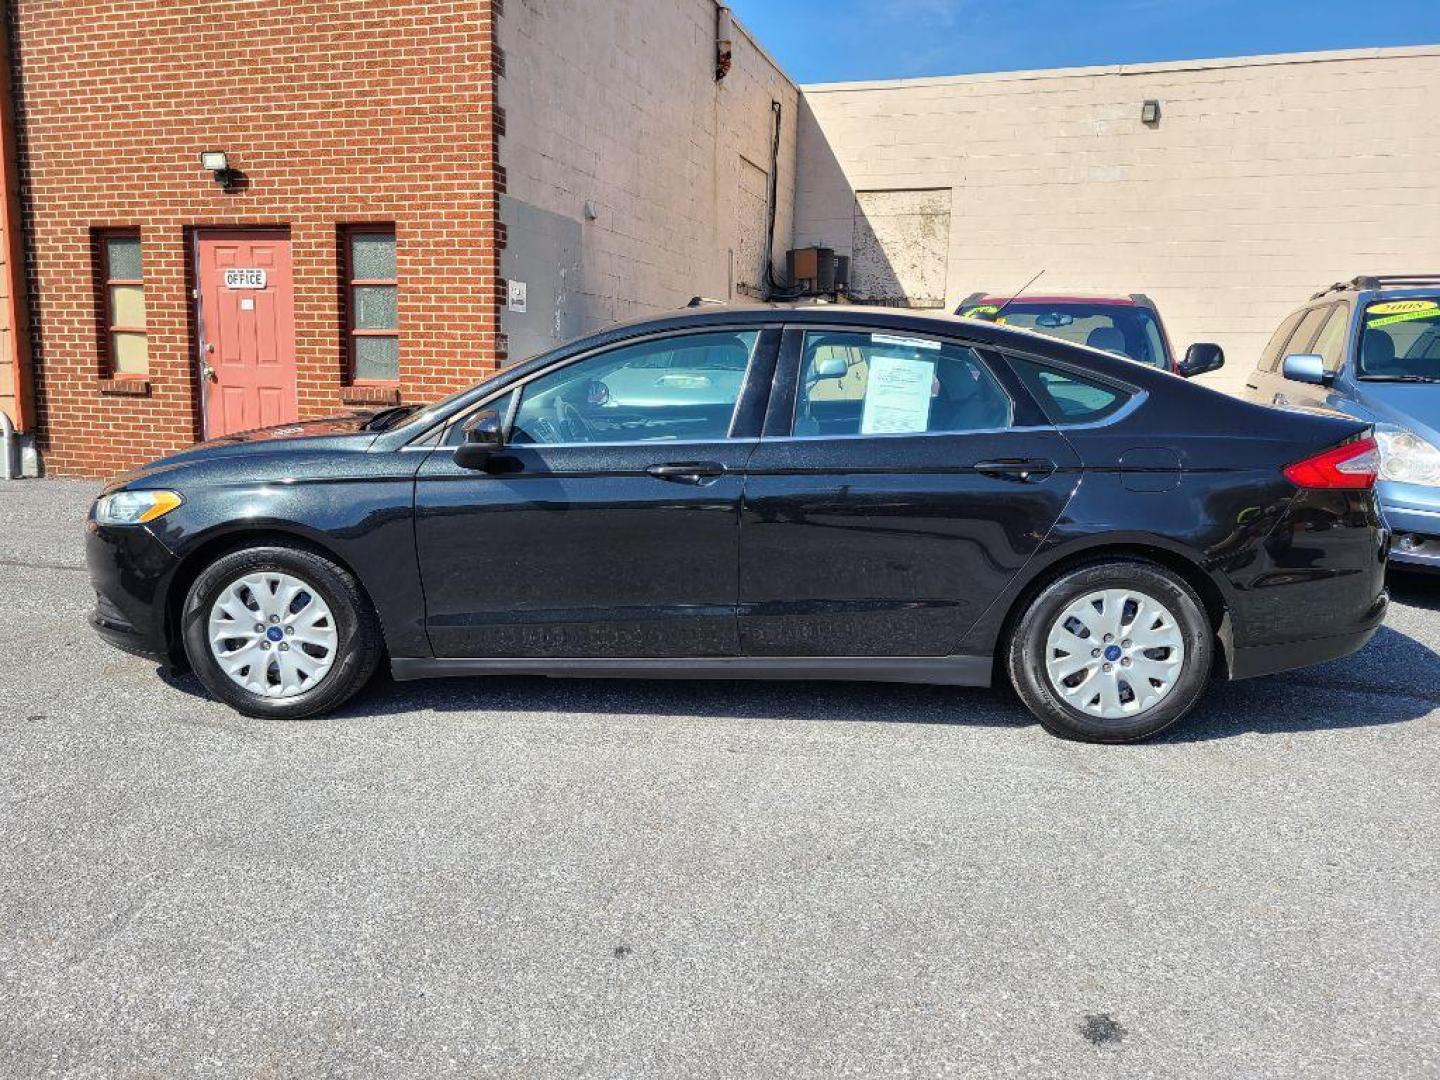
x,y
349,255
222,214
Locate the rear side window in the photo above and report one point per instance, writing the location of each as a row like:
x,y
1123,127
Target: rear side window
x,y
1068,398
882,384
1270,358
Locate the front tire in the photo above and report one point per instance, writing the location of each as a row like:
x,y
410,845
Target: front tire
x,y
280,633
1112,651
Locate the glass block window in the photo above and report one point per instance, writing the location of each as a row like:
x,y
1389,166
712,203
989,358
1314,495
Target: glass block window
x,y
122,278
372,295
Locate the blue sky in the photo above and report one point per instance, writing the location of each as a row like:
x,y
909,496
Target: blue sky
x,y
830,40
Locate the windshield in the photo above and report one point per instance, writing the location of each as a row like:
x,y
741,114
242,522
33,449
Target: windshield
x,y
1132,332
404,416
1400,340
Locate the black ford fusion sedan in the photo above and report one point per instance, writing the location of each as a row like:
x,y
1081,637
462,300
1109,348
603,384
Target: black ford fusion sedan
x,y
817,493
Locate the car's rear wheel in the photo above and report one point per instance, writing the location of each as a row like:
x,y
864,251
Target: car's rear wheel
x,y
280,633
1112,651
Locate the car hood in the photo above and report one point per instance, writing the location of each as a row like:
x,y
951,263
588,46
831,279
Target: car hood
x,y
331,433
1414,406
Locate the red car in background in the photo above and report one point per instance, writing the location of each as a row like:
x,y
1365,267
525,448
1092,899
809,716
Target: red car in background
x,y
1127,326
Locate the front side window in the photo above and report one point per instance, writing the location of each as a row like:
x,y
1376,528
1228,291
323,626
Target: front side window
x,y
887,384
123,280
372,303
1330,345
681,388
1400,340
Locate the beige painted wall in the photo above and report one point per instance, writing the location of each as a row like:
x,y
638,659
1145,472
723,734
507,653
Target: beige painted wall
x,y
616,105
1265,179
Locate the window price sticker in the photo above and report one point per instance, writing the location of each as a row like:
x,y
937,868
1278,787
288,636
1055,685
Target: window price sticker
x,y
897,396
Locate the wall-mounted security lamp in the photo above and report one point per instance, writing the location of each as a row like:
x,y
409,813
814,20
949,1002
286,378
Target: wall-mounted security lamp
x,y
1150,112
217,162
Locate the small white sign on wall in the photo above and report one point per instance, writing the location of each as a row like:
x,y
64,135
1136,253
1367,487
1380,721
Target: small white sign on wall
x,y
517,296
244,278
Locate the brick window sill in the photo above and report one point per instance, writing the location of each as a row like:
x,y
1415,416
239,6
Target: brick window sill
x,y
128,387
370,395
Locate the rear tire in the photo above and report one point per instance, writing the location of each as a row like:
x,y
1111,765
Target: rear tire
x,y
280,633
1112,651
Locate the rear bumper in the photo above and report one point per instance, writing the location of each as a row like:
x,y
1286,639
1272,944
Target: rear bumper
x,y
1252,661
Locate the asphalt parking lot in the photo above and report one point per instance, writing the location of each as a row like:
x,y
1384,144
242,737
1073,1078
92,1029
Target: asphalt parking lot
x,y
527,878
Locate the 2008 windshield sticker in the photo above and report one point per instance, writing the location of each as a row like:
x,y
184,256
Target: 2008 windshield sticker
x,y
1398,311
1403,307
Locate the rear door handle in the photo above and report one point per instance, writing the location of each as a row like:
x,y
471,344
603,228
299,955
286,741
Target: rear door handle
x,y
1026,470
1281,399
687,472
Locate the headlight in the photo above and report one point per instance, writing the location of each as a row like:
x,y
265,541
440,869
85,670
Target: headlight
x,y
1407,459
135,507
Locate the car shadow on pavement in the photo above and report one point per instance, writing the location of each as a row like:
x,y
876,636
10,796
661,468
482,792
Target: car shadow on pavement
x,y
1415,588
1392,680
820,702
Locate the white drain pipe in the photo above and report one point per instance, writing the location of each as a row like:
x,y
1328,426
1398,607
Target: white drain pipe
x,y
7,446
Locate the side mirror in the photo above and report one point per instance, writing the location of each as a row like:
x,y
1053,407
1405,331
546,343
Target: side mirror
x,y
829,367
1306,368
484,436
1201,357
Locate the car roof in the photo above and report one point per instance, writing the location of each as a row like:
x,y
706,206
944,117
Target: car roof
x,y
1059,298
1387,284
933,320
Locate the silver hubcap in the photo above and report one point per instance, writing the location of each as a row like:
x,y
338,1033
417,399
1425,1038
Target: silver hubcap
x,y
1114,653
272,634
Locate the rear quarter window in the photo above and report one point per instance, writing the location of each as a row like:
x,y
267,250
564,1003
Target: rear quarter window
x,y
1067,397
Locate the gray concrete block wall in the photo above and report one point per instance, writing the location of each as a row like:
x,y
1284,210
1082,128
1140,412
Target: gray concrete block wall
x,y
616,107
1265,179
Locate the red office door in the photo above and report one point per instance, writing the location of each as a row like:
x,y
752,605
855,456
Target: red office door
x,y
247,330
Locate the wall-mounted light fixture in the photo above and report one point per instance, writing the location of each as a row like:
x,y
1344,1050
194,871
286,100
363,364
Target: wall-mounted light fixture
x,y
724,41
1150,112
218,162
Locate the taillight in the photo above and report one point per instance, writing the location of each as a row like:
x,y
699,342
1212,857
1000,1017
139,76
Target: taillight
x,y
1354,465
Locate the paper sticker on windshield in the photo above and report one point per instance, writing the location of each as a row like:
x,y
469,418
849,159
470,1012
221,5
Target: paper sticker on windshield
x,y
897,396
1402,307
1409,316
903,342
981,311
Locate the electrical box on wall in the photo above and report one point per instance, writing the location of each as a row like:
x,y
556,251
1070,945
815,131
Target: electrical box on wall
x,y
817,271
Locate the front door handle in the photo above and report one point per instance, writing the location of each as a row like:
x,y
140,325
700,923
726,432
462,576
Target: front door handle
x,y
687,472
1281,399
1026,470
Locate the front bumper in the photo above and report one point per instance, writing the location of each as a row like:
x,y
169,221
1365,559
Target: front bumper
x,y
130,570
1417,534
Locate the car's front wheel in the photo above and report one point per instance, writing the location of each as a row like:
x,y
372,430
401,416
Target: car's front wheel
x,y
1112,651
280,633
